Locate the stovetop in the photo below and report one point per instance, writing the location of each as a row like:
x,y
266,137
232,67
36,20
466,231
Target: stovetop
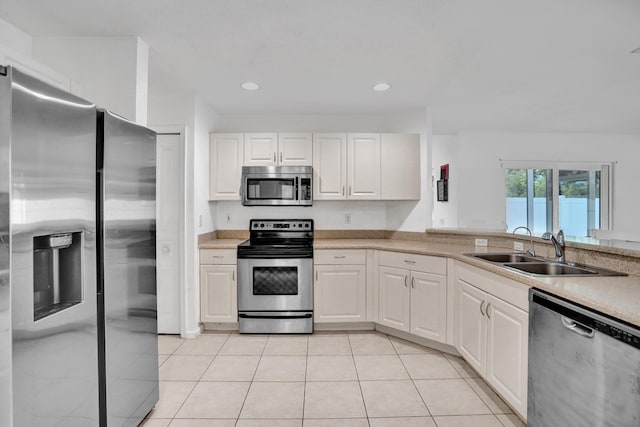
x,y
278,238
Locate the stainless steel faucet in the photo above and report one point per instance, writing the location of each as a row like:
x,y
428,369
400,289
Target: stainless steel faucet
x,y
558,243
530,251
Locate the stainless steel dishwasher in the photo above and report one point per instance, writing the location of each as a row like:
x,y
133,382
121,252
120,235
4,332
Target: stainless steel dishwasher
x,y
584,367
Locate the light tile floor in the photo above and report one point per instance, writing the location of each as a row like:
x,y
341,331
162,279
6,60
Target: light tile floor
x,y
324,379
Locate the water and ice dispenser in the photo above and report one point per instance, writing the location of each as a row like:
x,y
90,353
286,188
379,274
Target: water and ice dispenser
x,y
57,273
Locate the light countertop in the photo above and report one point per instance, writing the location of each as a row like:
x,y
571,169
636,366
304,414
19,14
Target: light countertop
x,y
616,296
220,244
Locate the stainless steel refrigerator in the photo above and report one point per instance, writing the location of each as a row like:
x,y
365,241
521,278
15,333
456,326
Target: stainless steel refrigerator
x,y
77,261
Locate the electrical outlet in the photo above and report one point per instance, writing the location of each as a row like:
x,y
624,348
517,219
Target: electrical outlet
x,y
518,246
482,242
347,218
228,218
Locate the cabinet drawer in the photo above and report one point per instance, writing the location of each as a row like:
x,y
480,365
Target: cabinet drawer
x,y
427,264
340,256
217,256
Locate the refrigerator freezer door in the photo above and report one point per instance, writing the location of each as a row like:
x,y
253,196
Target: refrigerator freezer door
x,y
53,186
5,250
129,278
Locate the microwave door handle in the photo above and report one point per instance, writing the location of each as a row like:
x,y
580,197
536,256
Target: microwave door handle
x,y
297,189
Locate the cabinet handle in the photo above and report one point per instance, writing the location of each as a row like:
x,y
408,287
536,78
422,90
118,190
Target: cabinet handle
x,y
343,190
481,305
316,275
350,190
339,256
281,157
233,275
274,157
413,282
487,310
409,261
218,256
405,281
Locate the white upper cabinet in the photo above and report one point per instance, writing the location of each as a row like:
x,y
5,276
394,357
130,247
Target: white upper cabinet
x,y
363,170
260,149
329,166
271,149
225,165
400,166
295,149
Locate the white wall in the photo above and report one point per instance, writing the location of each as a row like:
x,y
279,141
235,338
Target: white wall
x,y
173,106
110,71
444,150
480,178
15,39
204,122
365,215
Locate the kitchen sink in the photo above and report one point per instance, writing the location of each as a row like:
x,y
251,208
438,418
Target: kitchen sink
x,y
536,266
505,257
551,269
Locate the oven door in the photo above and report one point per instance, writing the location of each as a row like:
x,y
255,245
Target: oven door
x,y
275,284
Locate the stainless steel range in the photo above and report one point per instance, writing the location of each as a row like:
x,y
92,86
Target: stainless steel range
x,y
275,277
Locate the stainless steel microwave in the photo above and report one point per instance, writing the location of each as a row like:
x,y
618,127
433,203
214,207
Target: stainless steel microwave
x,y
277,185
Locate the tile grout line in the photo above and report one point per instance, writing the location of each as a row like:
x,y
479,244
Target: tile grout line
x,y
494,413
199,380
304,391
355,368
414,384
244,401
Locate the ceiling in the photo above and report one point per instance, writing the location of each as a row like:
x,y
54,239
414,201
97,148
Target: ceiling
x,y
544,65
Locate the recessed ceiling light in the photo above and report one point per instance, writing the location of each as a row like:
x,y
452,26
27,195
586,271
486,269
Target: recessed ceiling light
x,y
250,86
381,87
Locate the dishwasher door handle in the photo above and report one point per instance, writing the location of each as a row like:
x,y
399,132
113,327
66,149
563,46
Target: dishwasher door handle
x,y
576,327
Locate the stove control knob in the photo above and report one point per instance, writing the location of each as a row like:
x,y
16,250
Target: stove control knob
x,y
262,225
306,225
255,225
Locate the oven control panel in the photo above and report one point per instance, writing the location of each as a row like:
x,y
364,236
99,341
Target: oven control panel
x,y
281,225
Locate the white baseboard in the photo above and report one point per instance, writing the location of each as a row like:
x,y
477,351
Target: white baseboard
x,y
344,326
193,333
446,348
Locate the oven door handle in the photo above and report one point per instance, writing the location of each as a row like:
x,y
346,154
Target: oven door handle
x,y
275,316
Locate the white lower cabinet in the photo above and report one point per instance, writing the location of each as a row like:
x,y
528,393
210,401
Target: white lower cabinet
x,y
492,333
218,286
413,299
340,287
395,297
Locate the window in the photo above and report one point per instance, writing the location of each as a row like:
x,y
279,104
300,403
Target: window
x,y
549,196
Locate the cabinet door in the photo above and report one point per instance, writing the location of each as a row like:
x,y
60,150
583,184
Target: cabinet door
x,y
218,293
394,297
363,169
329,166
471,325
507,346
225,166
429,306
399,166
295,149
260,149
340,293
